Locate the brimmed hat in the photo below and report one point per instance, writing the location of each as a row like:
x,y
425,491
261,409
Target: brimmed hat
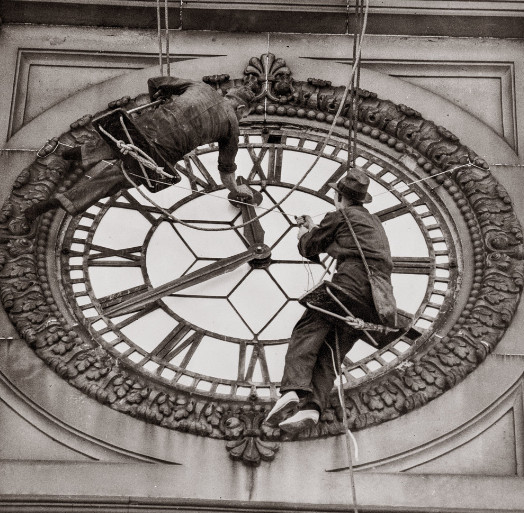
x,y
243,94
354,186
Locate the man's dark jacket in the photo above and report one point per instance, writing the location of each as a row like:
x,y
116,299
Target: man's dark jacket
x,y
196,114
333,237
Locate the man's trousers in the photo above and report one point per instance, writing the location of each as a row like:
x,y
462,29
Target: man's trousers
x,y
102,180
311,356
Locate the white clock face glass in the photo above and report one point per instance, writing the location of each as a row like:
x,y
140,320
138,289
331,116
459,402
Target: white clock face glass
x,y
228,335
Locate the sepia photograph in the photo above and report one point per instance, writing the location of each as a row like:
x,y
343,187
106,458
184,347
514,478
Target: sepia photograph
x,y
261,256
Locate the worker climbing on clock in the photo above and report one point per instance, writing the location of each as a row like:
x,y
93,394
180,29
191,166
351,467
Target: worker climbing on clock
x,y
309,371
192,114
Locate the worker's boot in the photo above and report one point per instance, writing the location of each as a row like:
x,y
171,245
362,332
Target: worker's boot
x,y
302,420
283,408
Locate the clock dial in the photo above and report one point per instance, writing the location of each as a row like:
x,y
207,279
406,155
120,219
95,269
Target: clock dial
x,y
209,318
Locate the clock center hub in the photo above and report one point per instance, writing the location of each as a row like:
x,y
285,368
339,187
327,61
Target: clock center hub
x,y
262,259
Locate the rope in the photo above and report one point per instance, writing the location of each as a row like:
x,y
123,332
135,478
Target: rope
x,y
134,151
360,30
267,81
348,434
159,33
166,13
49,152
360,27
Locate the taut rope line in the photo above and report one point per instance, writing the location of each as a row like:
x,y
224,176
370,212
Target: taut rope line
x,y
159,34
166,15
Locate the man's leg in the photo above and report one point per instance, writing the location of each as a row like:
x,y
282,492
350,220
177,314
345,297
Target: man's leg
x,y
324,372
322,381
306,340
101,181
305,343
104,179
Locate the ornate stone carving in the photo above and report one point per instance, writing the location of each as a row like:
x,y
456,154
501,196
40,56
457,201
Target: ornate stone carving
x,y
243,428
271,76
486,207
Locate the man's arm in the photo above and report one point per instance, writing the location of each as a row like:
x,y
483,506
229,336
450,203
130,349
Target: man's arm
x,y
317,238
227,151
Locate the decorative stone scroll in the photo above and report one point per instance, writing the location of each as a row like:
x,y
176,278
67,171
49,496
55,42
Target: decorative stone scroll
x,y
495,233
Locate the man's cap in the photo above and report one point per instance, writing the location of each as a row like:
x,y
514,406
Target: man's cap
x,y
354,186
242,94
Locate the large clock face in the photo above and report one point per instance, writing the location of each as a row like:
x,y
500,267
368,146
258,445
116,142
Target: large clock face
x,y
227,335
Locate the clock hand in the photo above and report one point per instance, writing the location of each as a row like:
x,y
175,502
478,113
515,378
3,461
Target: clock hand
x,y
253,232
120,306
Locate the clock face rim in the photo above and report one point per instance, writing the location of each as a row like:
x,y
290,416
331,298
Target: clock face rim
x,y
373,157
496,239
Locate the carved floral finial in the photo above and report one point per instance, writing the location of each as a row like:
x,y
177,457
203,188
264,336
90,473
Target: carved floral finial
x,y
273,77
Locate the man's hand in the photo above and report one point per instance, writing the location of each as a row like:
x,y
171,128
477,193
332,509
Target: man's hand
x,y
240,189
305,224
302,230
164,87
163,93
306,221
244,192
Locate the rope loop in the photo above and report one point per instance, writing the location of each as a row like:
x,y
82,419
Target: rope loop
x,y
144,159
49,148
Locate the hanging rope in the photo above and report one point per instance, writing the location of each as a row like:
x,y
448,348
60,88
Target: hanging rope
x,y
267,83
360,18
168,63
355,85
159,34
359,31
348,434
166,34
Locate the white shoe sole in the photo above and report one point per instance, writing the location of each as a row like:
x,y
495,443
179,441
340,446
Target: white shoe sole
x,y
277,415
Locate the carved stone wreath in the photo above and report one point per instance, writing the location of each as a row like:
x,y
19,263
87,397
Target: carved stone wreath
x,y
486,207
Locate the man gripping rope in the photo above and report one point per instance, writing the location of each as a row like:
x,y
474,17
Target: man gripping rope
x,y
192,114
309,372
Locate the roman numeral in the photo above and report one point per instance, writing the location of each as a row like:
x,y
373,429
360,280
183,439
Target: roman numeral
x,y
192,342
172,344
392,212
132,318
258,356
193,162
257,166
275,164
335,177
413,265
101,258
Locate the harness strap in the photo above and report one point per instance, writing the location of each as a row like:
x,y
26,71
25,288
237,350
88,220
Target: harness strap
x,y
359,247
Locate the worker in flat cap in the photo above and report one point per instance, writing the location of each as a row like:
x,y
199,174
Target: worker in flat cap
x,y
309,371
192,114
